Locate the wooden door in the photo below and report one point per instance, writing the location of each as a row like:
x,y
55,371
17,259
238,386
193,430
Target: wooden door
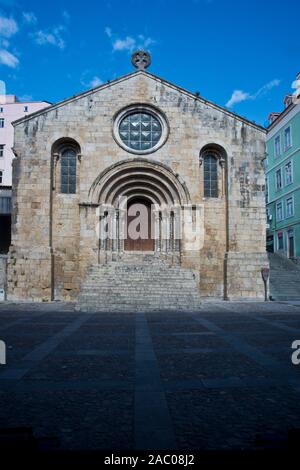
x,y
291,245
138,228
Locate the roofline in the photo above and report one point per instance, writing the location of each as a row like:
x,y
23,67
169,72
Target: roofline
x,y
281,116
34,101
73,98
27,102
205,101
127,76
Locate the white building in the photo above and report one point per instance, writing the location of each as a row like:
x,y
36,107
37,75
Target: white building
x,y
10,110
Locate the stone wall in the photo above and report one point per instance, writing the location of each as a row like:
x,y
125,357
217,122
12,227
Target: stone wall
x,y
244,279
54,239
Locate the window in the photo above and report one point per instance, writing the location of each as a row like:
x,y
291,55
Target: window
x,y
25,109
279,211
290,207
5,205
277,146
287,138
280,241
278,179
288,173
140,131
210,176
1,176
2,150
1,110
1,122
68,171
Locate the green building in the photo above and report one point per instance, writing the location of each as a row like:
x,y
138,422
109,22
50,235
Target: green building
x,y
283,179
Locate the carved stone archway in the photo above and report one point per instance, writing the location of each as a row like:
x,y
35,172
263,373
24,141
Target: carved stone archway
x,y
139,178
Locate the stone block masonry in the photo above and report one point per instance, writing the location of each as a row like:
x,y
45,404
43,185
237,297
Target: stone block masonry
x,y
54,238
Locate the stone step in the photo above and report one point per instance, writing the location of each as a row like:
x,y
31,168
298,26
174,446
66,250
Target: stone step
x,y
140,283
284,278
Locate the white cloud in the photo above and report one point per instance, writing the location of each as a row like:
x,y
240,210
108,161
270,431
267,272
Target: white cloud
x,y
239,95
2,91
144,42
126,44
90,83
96,81
108,31
66,15
25,98
29,17
129,43
52,37
267,87
4,43
8,27
6,58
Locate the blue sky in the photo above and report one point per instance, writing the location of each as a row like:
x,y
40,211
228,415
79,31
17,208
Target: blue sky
x,y
243,54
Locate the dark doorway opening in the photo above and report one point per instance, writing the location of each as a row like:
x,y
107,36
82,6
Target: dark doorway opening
x,y
5,233
291,243
138,230
270,243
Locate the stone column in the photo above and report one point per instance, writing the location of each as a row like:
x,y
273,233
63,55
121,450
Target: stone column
x,y
164,231
177,229
156,232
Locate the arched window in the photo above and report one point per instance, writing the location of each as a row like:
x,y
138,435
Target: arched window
x,y
210,175
68,171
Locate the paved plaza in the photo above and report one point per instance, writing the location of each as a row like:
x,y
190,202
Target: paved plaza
x,y
218,378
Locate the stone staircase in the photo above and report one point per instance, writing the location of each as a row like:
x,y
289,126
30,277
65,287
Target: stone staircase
x,y
139,282
284,278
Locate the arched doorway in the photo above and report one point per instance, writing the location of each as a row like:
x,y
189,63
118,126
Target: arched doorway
x,y
161,194
139,235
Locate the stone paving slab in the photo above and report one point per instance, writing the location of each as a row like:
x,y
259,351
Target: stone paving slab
x,y
232,416
210,365
88,419
82,368
265,338
37,328
176,327
188,341
209,379
85,341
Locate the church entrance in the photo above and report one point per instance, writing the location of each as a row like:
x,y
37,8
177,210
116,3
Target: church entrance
x,y
138,226
140,209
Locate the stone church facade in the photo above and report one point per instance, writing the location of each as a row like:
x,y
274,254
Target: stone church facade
x,y
140,139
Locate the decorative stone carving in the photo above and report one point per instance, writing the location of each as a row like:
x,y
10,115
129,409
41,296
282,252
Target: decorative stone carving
x,y
141,59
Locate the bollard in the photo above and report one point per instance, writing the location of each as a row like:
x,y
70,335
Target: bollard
x,y
265,275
